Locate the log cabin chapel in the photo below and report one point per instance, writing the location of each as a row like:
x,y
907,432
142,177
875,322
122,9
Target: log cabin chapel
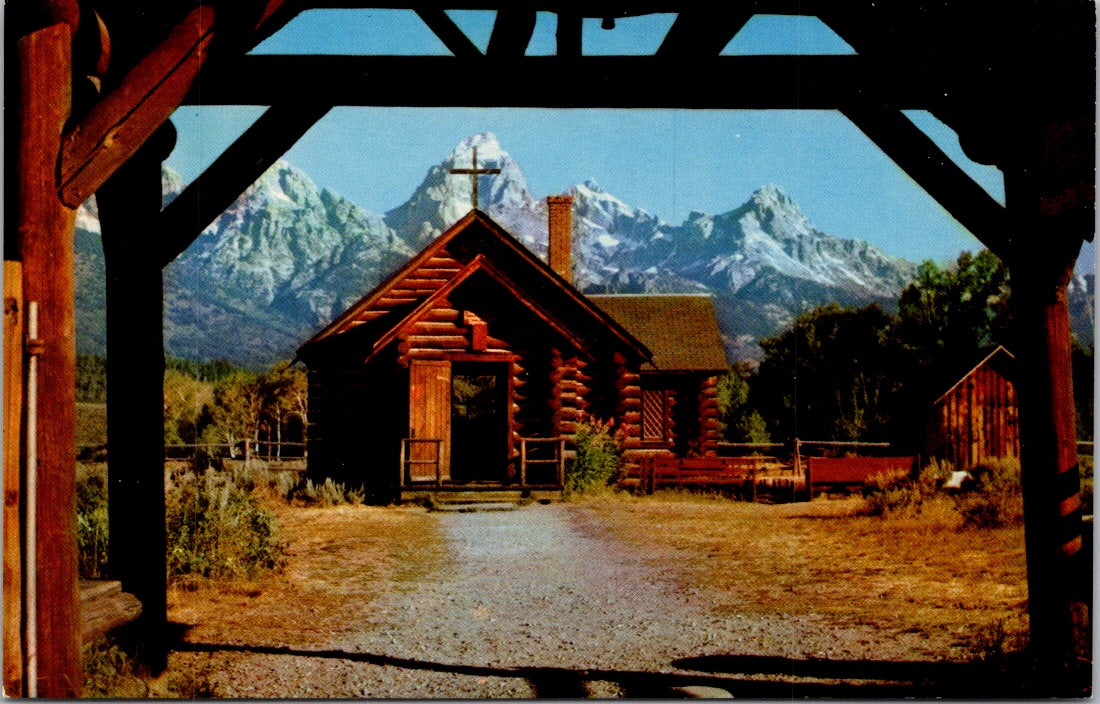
x,y
470,367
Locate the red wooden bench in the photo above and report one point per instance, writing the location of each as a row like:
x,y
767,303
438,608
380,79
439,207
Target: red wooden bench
x,y
852,472
728,472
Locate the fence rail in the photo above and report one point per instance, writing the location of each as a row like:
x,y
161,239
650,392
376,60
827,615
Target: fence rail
x,y
557,444
245,449
408,461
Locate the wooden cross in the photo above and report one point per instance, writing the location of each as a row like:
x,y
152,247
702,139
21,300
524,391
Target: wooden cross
x,y
474,173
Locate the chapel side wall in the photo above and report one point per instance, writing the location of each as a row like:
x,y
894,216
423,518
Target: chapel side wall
x,y
707,403
356,420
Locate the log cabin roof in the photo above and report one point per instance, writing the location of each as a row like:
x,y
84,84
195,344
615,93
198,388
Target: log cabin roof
x,y
476,243
1000,360
680,329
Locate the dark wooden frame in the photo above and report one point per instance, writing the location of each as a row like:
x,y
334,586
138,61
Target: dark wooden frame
x,y
1003,101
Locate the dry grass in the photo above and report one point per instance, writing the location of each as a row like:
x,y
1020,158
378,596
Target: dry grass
x,y
912,573
91,424
337,561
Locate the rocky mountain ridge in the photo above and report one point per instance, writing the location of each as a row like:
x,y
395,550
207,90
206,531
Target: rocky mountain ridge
x,y
289,255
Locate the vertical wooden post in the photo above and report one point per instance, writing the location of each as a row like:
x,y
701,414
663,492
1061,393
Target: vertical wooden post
x,y
13,444
129,203
523,461
46,249
1058,583
561,462
401,468
1049,197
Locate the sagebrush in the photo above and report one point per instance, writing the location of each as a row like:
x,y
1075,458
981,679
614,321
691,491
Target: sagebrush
x,y
91,520
217,529
598,457
990,498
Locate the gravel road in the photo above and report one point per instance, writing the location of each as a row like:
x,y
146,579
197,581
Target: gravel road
x,y
538,602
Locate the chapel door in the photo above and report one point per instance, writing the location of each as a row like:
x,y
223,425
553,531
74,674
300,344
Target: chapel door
x,y
429,419
479,421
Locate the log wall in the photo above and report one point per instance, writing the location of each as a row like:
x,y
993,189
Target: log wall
x,y
628,383
708,416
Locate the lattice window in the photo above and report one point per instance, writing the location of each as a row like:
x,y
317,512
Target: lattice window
x,y
655,415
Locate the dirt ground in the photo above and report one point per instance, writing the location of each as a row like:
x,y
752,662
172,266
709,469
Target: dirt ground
x,y
635,597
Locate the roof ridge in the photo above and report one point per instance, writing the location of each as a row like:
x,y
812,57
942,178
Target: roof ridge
x,y
663,294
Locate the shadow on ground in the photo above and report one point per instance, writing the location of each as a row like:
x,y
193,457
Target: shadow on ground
x,y
743,676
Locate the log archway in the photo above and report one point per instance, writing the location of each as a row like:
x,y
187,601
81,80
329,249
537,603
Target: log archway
x,y
93,83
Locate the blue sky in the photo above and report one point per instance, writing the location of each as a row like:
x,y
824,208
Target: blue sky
x,y
668,162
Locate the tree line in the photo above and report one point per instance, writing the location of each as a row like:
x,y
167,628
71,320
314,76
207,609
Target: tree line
x,y
865,374
217,402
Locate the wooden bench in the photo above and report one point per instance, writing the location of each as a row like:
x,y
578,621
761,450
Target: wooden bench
x,y
717,472
851,472
104,607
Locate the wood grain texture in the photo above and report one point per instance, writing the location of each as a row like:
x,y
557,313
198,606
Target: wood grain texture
x,y
46,249
13,444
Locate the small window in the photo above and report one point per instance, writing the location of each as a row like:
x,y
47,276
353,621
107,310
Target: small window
x,y
656,416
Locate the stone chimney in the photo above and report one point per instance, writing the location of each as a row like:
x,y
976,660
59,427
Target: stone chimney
x,y
560,214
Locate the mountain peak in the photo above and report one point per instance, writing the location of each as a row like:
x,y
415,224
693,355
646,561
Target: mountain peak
x,y
488,147
773,196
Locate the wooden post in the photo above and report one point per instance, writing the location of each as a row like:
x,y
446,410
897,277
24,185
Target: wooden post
x,y
46,248
798,466
439,463
1049,196
13,443
561,462
1058,583
129,203
523,461
401,467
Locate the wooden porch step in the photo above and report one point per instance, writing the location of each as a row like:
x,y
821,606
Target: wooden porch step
x,y
487,495
104,607
478,507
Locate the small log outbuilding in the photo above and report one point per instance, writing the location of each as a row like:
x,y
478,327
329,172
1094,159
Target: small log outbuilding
x,y
470,367
976,419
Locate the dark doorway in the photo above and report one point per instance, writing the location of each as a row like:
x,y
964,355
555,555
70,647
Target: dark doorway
x,y
479,422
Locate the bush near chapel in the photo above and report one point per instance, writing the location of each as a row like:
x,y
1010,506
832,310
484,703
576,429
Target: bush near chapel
x,y
599,454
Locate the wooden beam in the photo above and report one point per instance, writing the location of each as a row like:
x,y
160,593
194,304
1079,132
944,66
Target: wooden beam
x,y
1059,581
235,170
13,480
46,248
512,32
794,82
448,32
129,205
124,118
925,163
703,32
1053,153
275,15
570,31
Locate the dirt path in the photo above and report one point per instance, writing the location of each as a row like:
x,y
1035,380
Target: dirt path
x,y
540,601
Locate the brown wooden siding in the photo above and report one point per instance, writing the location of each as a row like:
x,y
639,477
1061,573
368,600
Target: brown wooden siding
x,y
976,420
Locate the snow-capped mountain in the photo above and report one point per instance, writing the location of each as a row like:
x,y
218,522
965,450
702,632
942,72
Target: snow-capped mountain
x,y
288,256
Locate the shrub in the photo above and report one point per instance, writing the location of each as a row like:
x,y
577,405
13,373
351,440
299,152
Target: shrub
x,y
216,529
91,521
109,672
597,459
890,491
897,491
997,499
